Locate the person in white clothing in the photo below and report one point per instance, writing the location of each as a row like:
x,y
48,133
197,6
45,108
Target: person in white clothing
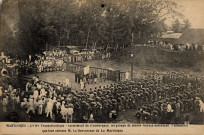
x,y
39,86
30,106
42,92
49,108
91,119
35,95
127,76
70,112
82,84
63,110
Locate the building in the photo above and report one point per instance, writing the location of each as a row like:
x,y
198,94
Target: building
x,y
192,38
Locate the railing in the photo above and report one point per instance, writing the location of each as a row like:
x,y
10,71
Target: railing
x,y
114,75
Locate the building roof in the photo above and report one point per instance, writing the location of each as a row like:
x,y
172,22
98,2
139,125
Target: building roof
x,y
171,35
192,36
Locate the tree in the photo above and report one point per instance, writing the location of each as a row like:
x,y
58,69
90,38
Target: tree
x,y
176,26
187,25
85,22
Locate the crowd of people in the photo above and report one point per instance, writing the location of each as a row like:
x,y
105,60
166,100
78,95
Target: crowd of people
x,y
174,99
180,47
176,47
55,60
170,97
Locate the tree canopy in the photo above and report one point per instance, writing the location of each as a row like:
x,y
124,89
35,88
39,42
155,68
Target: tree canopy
x,y
45,23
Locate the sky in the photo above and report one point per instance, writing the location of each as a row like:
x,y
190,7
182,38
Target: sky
x,y
194,11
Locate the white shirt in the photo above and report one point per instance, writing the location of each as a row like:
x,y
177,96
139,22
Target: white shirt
x,y
35,94
42,92
70,111
169,109
39,86
1,92
49,105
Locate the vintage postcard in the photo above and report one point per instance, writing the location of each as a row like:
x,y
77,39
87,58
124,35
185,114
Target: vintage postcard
x,y
102,67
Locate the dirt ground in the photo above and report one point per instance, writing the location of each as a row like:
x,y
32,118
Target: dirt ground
x,y
59,76
138,70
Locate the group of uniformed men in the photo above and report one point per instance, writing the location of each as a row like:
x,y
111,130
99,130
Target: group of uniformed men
x,y
169,102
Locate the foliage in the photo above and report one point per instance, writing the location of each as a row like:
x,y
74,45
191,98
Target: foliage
x,y
180,27
86,23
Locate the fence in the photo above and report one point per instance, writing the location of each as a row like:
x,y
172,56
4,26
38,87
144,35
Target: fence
x,y
114,75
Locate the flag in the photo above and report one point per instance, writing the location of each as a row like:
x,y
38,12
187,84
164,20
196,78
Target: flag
x,y
86,70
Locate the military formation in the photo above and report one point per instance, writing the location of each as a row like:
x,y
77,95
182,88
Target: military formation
x,y
174,99
159,97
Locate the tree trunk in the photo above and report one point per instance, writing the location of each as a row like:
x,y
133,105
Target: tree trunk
x,y
87,39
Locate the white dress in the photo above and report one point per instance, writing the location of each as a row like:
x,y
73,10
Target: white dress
x,y
63,111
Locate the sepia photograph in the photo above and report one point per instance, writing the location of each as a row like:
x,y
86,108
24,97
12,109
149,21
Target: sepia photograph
x,y
102,61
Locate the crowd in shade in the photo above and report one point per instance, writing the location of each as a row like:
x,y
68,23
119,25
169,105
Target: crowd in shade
x,y
174,99
158,97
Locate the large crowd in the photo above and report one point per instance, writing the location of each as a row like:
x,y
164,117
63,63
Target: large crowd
x,y
172,100
170,97
55,60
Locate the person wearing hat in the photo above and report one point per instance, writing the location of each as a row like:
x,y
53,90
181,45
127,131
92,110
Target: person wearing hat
x,y
155,116
138,115
154,94
145,115
77,110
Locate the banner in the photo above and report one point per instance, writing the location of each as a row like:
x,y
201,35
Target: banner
x,y
86,70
